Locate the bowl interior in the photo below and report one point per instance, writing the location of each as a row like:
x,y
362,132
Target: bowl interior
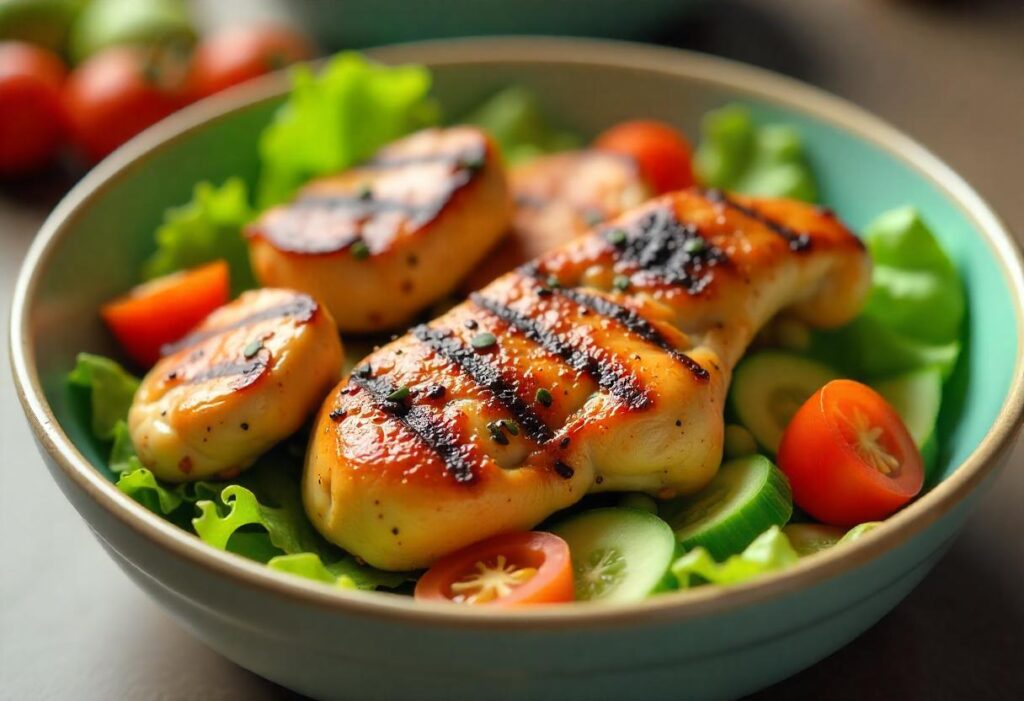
x,y
104,241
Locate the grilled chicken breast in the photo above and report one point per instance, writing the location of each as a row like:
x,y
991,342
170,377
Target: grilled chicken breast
x,y
245,378
378,243
557,198
602,365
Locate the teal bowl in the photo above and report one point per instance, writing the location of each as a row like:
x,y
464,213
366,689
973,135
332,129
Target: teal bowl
x,y
708,643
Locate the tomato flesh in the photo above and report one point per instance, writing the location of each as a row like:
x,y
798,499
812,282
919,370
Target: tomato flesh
x,y
508,570
848,456
164,310
662,153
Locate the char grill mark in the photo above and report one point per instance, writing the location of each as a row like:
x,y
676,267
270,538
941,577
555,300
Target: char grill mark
x,y
608,373
301,308
421,422
797,241
662,246
634,323
246,372
351,212
483,373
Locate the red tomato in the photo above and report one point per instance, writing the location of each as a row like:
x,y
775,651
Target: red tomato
x,y
32,123
661,152
119,92
165,309
848,456
239,54
507,570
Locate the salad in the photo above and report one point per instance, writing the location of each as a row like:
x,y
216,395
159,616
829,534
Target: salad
x,y
631,367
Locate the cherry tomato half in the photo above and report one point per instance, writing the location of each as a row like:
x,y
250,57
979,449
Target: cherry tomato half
x,y
165,309
119,92
239,54
662,153
32,122
507,570
848,456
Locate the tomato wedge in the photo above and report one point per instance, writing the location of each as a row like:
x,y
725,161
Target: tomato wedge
x,y
508,570
662,153
848,456
165,309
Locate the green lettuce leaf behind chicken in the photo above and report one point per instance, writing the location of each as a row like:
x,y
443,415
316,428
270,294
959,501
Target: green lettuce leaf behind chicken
x,y
334,119
206,228
514,118
739,155
915,310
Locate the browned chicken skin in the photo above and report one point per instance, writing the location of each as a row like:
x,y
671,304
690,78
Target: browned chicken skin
x,y
380,242
603,365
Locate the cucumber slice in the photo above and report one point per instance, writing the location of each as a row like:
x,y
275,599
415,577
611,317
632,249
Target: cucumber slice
x,y
917,397
747,497
809,538
769,387
617,554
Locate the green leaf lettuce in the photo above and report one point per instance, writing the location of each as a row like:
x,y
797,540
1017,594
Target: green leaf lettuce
x,y
339,117
769,552
205,229
738,155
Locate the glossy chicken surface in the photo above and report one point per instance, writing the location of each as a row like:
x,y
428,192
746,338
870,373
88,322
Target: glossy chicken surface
x,y
245,378
557,198
382,241
602,365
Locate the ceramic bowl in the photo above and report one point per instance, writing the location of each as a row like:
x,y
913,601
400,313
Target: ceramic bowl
x,y
707,643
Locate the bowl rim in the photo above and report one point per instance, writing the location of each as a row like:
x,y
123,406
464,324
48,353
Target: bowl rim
x,y
744,80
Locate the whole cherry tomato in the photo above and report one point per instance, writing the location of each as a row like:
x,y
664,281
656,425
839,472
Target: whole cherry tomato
x,y
239,54
119,92
662,153
32,122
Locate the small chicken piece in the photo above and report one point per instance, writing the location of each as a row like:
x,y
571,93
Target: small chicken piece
x,y
382,241
557,198
603,365
245,378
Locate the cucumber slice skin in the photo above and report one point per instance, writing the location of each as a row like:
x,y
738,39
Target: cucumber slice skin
x,y
767,389
747,497
618,554
810,538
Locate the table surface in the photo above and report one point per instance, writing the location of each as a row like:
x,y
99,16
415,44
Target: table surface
x,y
951,74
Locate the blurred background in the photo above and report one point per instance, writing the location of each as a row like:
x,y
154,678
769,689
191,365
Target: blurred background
x,y
949,73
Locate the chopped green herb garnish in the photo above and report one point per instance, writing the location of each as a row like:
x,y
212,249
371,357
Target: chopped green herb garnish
x,y
544,397
616,237
510,426
360,250
695,245
552,281
484,340
252,348
365,192
621,282
399,394
499,437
